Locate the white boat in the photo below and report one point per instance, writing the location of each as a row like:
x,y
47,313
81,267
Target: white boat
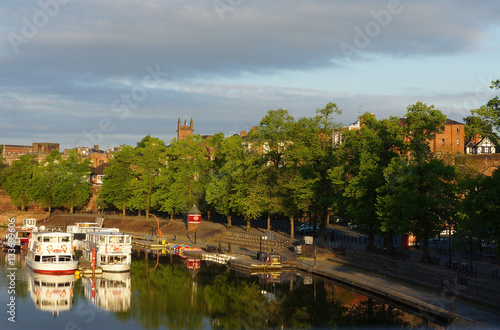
x,y
111,292
79,230
113,250
51,253
20,237
51,293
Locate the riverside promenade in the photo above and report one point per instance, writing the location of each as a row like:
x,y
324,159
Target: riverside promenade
x,y
406,279
425,287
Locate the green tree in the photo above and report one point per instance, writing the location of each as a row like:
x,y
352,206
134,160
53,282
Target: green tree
x,y
73,187
478,218
475,125
312,150
182,182
116,188
367,152
418,196
490,113
273,136
228,154
250,192
149,160
45,180
19,180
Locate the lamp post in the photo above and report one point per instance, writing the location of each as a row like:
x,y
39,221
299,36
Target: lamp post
x,y
449,243
159,231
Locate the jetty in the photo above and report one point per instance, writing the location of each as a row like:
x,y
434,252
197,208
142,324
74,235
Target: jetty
x,y
85,267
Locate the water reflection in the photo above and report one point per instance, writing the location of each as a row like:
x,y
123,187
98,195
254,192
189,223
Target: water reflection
x,y
110,292
51,293
175,293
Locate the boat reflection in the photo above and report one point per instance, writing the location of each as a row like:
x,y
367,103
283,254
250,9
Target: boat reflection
x,y
51,293
110,292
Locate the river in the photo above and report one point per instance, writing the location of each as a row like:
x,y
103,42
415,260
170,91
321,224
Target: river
x,y
174,293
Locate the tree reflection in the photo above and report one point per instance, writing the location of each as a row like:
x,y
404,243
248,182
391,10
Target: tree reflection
x,y
215,297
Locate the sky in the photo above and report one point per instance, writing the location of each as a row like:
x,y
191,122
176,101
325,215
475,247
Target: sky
x,y
110,72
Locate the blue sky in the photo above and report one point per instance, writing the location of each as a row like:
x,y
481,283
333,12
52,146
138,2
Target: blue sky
x,y
111,72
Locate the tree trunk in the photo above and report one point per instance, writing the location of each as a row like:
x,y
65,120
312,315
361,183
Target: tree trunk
x,y
229,222
292,228
426,258
248,224
269,222
371,242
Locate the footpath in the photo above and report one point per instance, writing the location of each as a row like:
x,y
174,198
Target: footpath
x,y
471,301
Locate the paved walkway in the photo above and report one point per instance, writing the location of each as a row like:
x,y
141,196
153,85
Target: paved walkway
x,y
467,314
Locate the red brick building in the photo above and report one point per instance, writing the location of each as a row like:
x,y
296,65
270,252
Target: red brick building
x,y
451,140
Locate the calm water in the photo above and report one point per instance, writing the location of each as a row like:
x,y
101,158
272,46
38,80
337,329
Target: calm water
x,y
173,293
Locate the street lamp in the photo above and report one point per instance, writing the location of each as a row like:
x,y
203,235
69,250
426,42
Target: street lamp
x,y
449,243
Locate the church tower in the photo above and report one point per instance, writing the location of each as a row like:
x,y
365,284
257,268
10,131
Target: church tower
x,y
184,131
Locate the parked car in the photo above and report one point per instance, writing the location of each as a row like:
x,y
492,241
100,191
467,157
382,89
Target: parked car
x,y
306,228
446,232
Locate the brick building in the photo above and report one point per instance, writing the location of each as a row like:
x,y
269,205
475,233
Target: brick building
x,y
451,140
11,153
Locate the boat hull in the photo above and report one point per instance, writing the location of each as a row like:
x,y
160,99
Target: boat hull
x,y
111,268
61,268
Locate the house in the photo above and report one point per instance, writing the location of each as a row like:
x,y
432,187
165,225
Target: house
x,y
97,174
484,146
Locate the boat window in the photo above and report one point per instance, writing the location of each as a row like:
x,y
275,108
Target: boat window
x,y
37,258
48,258
46,239
64,258
127,240
102,239
39,238
64,239
103,260
116,239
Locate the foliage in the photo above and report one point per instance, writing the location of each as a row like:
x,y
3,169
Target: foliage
x,y
368,151
490,113
180,183
73,188
19,180
116,188
45,180
148,160
478,219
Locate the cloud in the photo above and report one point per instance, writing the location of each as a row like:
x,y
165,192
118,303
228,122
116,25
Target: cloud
x,y
76,58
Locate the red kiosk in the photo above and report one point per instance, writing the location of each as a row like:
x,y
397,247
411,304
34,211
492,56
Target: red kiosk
x,y
193,218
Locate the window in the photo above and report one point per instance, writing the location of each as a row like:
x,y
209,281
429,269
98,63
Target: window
x,y
458,129
442,141
458,142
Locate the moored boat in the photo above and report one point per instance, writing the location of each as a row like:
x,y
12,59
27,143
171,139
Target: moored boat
x,y
51,253
113,250
51,293
19,237
79,230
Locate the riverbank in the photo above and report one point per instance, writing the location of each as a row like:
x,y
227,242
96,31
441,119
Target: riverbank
x,y
404,280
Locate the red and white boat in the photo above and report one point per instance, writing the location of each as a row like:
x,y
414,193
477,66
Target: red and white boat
x,y
51,293
51,253
113,250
